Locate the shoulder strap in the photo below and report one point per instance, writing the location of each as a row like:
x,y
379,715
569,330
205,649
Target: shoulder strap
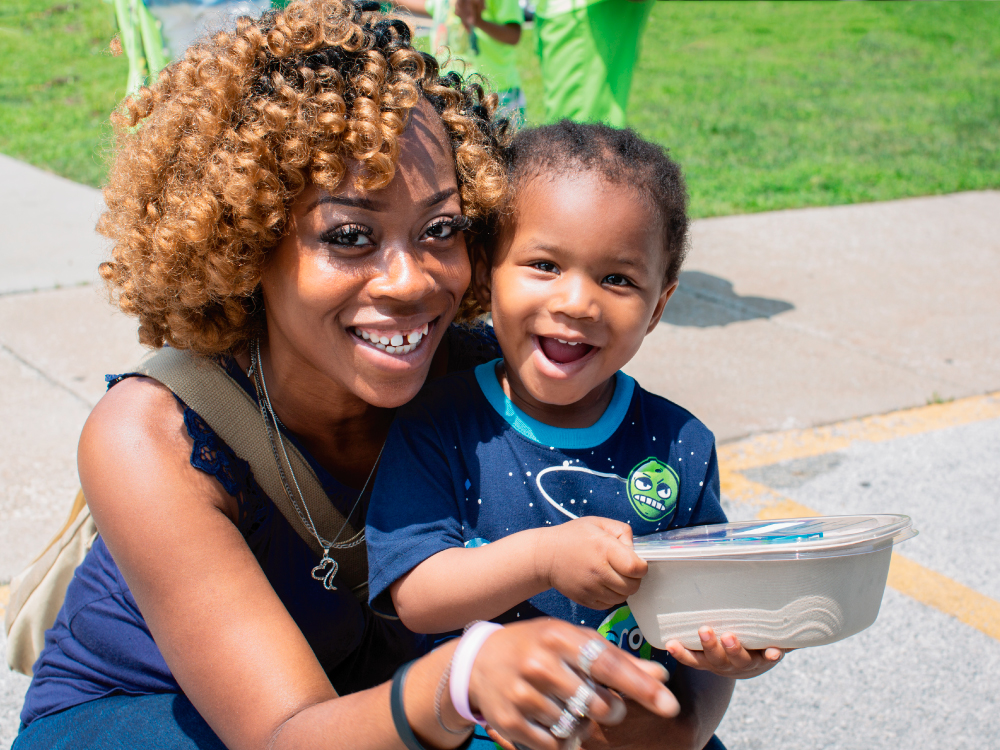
x,y
234,416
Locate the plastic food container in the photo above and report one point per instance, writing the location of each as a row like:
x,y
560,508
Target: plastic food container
x,y
789,583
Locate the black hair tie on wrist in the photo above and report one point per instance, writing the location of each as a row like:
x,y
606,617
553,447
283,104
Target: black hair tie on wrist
x,y
403,728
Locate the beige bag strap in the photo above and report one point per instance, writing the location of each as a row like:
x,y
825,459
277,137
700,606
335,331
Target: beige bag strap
x,y
205,386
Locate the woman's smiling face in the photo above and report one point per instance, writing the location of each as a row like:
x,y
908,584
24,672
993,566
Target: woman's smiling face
x,y
364,284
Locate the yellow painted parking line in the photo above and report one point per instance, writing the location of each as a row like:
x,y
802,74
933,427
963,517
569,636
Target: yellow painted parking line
x,y
772,448
941,592
738,489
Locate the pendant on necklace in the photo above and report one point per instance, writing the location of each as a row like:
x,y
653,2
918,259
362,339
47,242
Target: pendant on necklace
x,y
320,572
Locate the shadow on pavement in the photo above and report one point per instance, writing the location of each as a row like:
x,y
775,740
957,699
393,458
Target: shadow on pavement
x,y
703,301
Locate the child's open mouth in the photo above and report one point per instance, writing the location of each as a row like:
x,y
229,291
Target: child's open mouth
x,y
563,352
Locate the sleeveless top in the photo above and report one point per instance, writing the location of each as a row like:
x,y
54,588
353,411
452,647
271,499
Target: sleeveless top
x,y
100,645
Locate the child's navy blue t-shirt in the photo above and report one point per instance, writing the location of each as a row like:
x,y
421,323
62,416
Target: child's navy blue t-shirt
x,y
463,466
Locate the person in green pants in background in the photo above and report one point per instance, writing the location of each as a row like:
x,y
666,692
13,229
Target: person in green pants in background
x,y
478,36
588,50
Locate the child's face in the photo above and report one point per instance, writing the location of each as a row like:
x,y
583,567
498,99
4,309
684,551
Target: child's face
x,y
584,263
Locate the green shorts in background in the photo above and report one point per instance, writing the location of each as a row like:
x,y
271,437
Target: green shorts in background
x,y
587,56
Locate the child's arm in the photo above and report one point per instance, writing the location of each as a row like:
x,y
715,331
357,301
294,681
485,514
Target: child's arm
x,y
471,13
590,560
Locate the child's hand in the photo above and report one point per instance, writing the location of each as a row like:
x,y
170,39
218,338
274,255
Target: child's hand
x,y
590,560
726,656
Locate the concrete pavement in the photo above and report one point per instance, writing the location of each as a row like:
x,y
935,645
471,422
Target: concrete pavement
x,y
796,318
927,673
58,335
784,321
48,229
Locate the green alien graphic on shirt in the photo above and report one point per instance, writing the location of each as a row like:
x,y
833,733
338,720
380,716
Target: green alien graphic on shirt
x,y
652,489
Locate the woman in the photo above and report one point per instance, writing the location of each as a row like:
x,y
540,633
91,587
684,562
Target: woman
x,y
278,191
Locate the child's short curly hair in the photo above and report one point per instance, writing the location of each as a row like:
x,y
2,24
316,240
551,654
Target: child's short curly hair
x,y
622,157
211,156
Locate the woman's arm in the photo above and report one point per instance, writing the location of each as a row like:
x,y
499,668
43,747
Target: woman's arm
x,y
227,638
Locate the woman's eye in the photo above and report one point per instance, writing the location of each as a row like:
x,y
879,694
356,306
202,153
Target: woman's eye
x,y
445,229
616,279
350,235
545,266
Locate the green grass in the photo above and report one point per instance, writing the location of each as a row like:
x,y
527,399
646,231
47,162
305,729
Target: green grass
x,y
58,84
767,105
785,104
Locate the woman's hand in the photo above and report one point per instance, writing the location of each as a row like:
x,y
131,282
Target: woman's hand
x,y
726,656
525,674
590,560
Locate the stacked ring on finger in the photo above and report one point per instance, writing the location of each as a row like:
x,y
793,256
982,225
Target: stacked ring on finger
x,y
577,709
589,653
579,704
564,727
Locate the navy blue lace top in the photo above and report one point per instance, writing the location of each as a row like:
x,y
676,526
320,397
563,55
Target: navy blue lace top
x,y
100,645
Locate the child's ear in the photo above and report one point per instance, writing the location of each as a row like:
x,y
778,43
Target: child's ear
x,y
481,276
661,303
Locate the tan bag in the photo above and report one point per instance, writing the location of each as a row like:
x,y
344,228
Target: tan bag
x,y
37,594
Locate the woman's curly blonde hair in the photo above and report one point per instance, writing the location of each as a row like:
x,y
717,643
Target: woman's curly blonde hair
x,y
211,157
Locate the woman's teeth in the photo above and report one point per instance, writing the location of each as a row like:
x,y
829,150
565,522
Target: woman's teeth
x,y
394,342
571,343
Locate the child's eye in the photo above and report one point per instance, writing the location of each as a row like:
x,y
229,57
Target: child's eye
x,y
443,229
545,266
616,279
349,235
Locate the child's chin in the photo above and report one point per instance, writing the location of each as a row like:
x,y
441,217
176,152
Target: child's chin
x,y
560,393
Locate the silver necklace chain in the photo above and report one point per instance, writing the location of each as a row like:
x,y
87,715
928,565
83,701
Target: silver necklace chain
x,y
328,567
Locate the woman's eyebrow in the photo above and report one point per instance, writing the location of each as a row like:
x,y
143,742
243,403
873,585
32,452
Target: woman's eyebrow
x,y
439,197
366,203
369,205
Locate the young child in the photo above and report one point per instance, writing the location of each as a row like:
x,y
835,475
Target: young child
x,y
478,36
514,490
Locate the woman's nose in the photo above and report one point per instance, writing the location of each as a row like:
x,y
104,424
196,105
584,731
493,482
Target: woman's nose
x,y
575,298
403,276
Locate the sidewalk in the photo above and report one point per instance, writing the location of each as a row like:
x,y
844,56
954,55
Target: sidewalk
x,y
783,321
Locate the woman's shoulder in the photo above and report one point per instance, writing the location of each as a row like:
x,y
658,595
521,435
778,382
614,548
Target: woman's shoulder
x,y
138,429
135,408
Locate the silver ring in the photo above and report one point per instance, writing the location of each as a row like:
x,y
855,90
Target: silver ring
x,y
589,653
579,704
564,726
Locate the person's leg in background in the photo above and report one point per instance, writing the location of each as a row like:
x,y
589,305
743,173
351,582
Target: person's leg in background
x,y
587,57
617,28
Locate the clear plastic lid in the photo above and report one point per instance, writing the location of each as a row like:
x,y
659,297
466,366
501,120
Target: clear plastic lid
x,y
784,539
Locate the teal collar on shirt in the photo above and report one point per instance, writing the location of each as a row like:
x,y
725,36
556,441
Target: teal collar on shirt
x,y
557,437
